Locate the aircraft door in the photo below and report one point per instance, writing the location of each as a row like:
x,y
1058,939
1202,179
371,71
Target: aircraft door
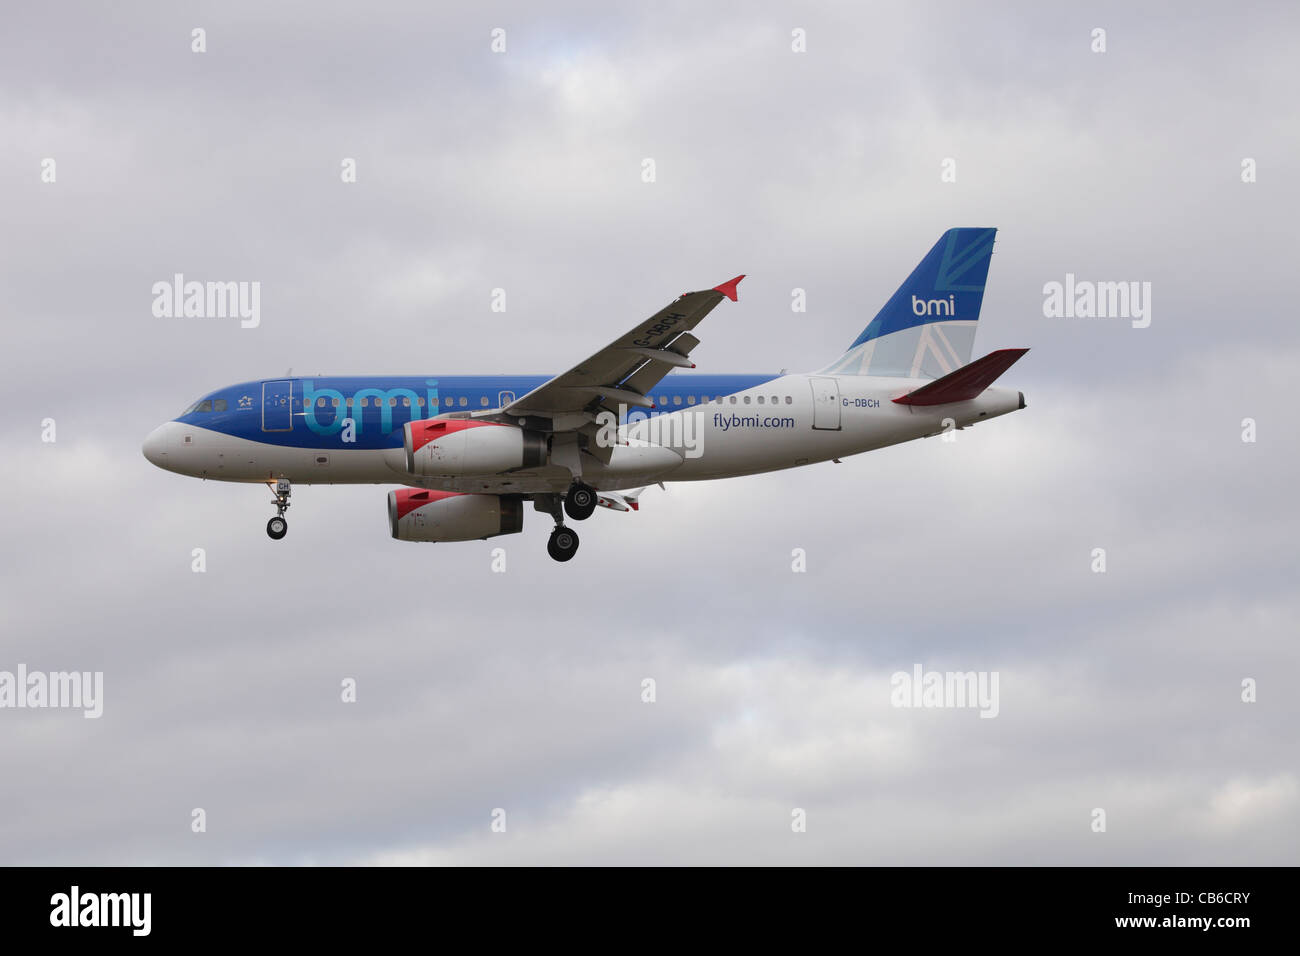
x,y
277,406
826,403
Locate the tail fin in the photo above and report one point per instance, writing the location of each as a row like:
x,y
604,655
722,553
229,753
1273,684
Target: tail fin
x,y
927,328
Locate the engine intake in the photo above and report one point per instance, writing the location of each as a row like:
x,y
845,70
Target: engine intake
x,y
456,448
420,515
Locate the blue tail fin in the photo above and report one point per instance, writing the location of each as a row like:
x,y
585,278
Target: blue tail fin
x,y
927,328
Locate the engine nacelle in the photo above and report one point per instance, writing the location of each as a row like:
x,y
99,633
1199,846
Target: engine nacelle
x,y
419,515
456,448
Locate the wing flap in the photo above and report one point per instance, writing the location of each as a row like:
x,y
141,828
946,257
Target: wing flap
x,y
667,356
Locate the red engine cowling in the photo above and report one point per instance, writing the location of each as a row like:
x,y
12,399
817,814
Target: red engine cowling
x,y
456,448
420,515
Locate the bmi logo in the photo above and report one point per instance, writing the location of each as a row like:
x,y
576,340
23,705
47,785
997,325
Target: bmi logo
x,y
946,306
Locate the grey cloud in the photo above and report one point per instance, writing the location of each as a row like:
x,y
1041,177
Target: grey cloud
x,y
522,690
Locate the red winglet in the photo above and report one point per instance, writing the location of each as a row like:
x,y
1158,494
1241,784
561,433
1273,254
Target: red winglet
x,y
729,288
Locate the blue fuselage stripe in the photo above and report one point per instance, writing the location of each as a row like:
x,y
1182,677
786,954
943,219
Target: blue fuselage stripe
x,y
314,412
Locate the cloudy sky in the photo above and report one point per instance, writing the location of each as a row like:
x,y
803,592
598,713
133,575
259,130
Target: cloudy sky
x,y
522,690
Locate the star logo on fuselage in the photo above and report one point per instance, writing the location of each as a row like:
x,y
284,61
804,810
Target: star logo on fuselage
x,y
246,401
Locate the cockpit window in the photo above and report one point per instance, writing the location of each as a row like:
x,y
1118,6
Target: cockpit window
x,y
205,405
219,405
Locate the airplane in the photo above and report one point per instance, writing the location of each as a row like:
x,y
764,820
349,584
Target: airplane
x,y
470,451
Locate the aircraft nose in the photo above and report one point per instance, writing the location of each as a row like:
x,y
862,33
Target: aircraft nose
x,y
155,446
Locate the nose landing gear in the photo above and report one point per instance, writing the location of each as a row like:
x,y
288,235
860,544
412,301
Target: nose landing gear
x,y
277,527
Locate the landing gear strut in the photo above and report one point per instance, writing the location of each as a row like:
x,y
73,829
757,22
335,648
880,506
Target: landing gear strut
x,y
563,544
277,527
580,502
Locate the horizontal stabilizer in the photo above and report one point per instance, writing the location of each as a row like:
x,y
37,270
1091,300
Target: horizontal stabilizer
x,y
965,383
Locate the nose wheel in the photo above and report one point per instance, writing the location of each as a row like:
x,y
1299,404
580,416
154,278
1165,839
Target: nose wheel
x,y
277,527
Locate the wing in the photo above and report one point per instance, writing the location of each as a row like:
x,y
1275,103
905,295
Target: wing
x,y
624,371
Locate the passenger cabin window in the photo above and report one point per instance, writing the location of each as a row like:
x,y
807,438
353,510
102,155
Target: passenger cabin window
x,y
760,399
690,399
450,400
789,400
463,401
746,399
677,399
483,401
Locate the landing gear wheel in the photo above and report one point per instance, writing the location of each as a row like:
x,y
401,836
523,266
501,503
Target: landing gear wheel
x,y
563,544
580,502
277,527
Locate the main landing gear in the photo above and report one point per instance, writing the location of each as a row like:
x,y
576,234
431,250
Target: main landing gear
x,y
563,544
580,502
277,527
